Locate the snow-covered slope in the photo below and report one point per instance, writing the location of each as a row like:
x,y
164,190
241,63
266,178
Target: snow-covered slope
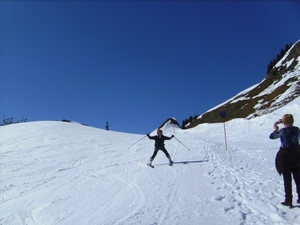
x,y
56,173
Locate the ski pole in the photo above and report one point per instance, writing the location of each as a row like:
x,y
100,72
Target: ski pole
x,y
136,142
182,143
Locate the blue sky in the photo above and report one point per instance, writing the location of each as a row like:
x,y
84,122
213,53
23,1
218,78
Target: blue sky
x,y
135,63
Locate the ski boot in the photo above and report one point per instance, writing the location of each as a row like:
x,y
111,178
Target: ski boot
x,y
170,162
150,163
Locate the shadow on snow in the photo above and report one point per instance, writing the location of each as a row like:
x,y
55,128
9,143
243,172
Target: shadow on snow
x,y
183,162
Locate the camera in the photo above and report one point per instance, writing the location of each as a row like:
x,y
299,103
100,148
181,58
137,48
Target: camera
x,y
279,121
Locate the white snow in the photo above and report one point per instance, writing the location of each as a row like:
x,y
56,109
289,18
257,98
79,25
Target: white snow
x,y
56,173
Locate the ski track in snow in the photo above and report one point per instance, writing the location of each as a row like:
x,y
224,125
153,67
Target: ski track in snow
x,y
56,173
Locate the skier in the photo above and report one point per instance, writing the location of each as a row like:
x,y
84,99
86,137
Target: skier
x,y
159,145
288,157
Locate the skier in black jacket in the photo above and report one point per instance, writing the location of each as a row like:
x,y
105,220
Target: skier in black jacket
x,y
159,145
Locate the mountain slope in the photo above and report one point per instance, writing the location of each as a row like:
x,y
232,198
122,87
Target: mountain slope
x,y
281,86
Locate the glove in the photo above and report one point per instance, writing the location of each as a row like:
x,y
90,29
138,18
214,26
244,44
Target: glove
x,y
172,136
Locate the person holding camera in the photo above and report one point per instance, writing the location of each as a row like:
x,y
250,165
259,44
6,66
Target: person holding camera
x,y
287,160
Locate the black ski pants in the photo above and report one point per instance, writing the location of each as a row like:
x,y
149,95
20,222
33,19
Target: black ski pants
x,y
287,178
157,149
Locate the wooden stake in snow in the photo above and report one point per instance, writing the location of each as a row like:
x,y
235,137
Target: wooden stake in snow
x,y
223,115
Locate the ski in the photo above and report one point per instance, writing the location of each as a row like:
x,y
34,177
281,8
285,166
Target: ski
x,y
170,164
150,165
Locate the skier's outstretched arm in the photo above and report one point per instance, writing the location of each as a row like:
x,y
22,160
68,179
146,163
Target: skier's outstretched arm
x,y
150,137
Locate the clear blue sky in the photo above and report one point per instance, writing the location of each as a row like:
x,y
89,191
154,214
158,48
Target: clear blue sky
x,y
135,63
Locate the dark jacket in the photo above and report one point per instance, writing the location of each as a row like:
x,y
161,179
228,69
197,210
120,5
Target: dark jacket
x,y
159,141
288,155
287,158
